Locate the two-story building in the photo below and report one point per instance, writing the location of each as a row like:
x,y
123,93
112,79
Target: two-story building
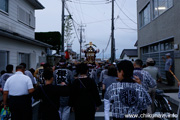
x,y
17,33
158,31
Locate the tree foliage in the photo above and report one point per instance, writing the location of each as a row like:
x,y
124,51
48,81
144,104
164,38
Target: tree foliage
x,y
51,38
68,30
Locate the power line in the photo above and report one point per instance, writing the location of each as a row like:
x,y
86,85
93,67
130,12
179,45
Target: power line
x,y
123,7
125,13
108,43
73,21
127,29
83,23
106,46
97,21
71,14
66,7
81,39
75,14
81,11
104,50
89,3
124,23
123,3
76,31
100,53
77,10
97,8
88,15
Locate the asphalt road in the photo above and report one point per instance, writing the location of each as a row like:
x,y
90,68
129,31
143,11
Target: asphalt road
x,y
99,114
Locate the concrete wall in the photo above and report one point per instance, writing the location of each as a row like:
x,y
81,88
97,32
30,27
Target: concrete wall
x,y
164,26
10,21
15,47
159,28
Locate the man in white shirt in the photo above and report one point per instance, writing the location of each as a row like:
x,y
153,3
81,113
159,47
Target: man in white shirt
x,y
18,87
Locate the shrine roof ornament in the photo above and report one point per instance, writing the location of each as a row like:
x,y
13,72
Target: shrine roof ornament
x,y
90,48
90,44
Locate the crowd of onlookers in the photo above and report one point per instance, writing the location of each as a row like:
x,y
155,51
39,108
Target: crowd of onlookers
x,y
127,88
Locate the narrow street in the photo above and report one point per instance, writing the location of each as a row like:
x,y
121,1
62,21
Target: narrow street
x,y
57,54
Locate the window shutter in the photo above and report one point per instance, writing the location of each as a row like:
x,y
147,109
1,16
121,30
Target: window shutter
x,y
26,18
32,21
21,15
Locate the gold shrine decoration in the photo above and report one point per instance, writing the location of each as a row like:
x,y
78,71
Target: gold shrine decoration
x,y
90,44
90,52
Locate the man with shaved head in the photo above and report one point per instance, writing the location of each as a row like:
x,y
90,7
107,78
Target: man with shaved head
x,y
18,87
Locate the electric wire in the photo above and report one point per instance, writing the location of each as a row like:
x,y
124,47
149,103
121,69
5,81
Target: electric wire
x,y
126,29
108,43
124,23
125,13
71,14
97,21
89,3
82,13
73,21
77,11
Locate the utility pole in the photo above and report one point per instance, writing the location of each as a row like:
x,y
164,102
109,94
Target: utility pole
x,y
103,54
81,39
62,30
112,36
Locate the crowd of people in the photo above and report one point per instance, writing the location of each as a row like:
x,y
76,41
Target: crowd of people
x,y
127,88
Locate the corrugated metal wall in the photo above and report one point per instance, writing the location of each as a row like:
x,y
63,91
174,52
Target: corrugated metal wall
x,y
159,61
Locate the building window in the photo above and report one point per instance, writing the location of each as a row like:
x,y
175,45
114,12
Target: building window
x,y
23,16
4,5
32,20
145,16
154,48
4,60
160,6
145,50
169,45
26,17
162,47
24,58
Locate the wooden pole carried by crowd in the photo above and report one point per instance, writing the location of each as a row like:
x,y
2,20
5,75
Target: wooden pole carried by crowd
x,y
174,75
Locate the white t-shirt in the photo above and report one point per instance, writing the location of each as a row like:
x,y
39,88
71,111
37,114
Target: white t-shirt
x,y
18,84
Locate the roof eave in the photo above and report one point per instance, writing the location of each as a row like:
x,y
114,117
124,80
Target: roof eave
x,y
132,56
37,5
136,44
18,37
122,54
